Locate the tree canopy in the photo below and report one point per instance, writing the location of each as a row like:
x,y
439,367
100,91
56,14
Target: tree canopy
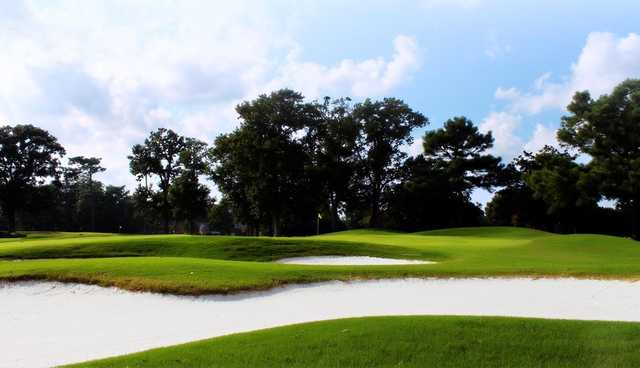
x,y
28,156
608,130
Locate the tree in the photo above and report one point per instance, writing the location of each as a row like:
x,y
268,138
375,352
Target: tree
x,y
115,210
459,150
221,217
386,127
28,156
335,153
423,199
159,155
260,166
515,204
87,167
555,178
190,198
608,130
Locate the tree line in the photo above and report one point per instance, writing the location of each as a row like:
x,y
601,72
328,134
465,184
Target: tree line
x,y
292,164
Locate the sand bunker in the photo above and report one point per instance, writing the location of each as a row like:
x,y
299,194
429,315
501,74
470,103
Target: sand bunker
x,y
349,261
45,324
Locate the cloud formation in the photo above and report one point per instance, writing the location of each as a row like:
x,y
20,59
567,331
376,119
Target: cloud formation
x,y
101,75
503,126
605,61
371,77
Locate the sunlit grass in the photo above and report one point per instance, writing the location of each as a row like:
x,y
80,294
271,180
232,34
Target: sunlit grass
x,y
186,264
414,341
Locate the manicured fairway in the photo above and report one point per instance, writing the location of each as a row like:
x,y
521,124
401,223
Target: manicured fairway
x,y
418,341
185,264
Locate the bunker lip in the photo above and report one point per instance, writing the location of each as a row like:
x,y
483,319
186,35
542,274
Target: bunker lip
x,y
350,261
55,319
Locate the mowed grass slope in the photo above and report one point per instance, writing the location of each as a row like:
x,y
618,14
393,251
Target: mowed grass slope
x,y
413,341
185,264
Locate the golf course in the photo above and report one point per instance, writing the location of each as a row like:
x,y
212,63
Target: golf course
x,y
184,266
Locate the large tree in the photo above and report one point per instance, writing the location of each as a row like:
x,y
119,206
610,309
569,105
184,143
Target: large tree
x,y
87,167
190,198
159,155
260,166
28,156
386,126
460,151
608,130
333,142
423,199
516,204
555,178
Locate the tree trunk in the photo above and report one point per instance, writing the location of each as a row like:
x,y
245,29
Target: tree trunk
x,y
635,219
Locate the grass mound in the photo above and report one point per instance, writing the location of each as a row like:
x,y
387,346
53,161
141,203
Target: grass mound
x,y
414,341
184,264
488,232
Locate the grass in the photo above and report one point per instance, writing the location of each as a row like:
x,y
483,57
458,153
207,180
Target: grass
x,y
183,264
413,341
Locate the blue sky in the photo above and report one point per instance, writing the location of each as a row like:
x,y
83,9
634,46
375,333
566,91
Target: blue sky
x,y
101,75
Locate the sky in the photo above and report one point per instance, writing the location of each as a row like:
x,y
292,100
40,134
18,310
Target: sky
x,y
100,75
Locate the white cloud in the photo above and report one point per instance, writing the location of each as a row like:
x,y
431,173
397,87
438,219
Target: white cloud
x,y
542,136
507,93
371,77
503,126
605,61
101,75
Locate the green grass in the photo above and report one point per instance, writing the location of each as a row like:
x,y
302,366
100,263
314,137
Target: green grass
x,y
185,264
415,341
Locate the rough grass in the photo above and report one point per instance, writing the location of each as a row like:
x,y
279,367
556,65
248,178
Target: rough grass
x,y
414,341
183,264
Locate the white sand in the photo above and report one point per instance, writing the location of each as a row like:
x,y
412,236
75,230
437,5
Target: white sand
x,y
349,261
43,324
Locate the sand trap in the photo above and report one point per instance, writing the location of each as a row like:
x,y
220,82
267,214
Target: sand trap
x,y
349,261
44,324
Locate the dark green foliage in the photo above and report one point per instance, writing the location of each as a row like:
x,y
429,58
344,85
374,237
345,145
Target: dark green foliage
x,y
221,218
188,197
261,166
159,156
424,199
333,141
86,167
555,178
386,128
28,156
608,129
436,187
459,150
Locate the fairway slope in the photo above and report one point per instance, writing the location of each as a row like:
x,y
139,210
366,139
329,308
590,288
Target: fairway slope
x,y
183,264
412,341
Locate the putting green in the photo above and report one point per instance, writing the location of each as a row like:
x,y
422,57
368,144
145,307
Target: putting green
x,y
184,264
